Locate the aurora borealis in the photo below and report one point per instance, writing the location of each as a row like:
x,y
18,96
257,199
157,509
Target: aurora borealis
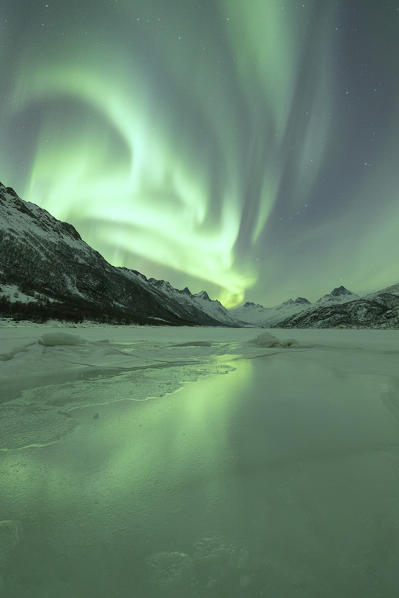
x,y
248,148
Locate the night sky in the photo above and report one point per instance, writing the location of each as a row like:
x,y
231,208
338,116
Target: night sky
x,y
245,147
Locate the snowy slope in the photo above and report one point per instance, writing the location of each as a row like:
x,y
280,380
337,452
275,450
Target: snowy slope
x,y
258,315
184,298
392,290
52,272
253,313
381,311
338,309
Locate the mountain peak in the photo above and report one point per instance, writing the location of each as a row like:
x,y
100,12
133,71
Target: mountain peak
x,y
339,291
302,300
9,190
297,301
338,295
202,295
251,304
186,291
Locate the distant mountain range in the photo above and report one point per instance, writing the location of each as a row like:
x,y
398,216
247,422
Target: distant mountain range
x,y
48,272
338,309
256,314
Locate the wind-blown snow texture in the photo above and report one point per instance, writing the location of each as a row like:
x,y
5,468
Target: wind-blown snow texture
x,y
272,472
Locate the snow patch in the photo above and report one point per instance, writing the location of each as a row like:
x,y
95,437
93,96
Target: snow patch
x,y
14,295
55,339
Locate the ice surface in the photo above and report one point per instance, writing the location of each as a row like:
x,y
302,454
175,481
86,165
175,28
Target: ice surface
x,y
198,463
10,536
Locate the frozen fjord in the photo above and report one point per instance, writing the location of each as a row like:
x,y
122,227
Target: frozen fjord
x,y
280,478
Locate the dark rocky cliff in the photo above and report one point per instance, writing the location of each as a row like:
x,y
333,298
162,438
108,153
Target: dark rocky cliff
x,y
59,276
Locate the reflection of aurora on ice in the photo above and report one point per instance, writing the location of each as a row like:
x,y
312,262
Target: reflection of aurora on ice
x,y
63,373
265,480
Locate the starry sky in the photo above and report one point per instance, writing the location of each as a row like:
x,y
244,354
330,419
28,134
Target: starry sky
x,y
245,147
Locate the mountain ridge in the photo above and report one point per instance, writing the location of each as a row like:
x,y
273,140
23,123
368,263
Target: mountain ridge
x,y
49,262
47,271
340,308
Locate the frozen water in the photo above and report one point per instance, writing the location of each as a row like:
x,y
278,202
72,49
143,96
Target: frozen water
x,y
198,463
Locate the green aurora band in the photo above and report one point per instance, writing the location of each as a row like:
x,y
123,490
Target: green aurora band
x,y
172,135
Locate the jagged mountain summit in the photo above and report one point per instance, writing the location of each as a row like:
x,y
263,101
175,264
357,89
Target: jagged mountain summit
x,y
338,295
300,300
338,309
375,310
48,271
340,291
297,301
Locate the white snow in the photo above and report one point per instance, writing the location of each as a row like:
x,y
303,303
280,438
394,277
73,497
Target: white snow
x,y
18,223
273,471
267,316
13,293
335,300
259,315
70,285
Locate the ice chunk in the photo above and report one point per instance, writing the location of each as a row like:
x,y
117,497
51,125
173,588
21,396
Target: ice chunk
x,y
269,340
194,344
53,339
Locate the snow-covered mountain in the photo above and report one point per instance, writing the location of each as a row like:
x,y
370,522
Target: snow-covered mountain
x,y
185,301
337,295
201,300
338,309
392,290
47,270
249,312
375,310
256,314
